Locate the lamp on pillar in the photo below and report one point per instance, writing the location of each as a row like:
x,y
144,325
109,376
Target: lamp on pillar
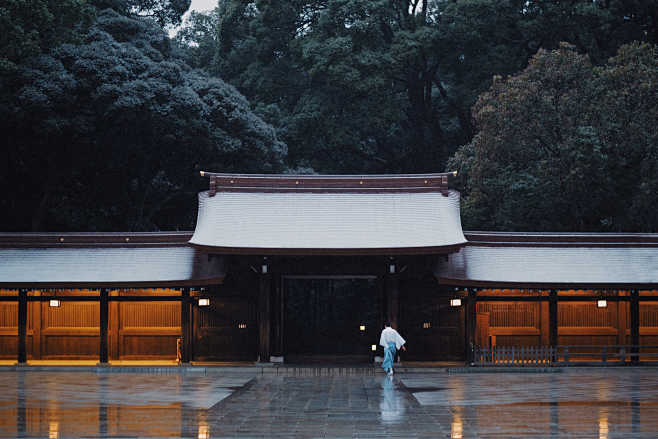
x,y
392,291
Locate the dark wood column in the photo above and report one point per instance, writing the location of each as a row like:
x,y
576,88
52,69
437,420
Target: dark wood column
x,y
470,323
264,316
635,326
22,326
277,316
185,326
552,318
104,324
392,294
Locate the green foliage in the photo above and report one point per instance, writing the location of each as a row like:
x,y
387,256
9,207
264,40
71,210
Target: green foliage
x,y
31,27
386,85
566,146
110,134
164,12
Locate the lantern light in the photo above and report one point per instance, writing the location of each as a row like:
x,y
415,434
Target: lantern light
x,y
601,303
55,303
263,268
204,301
373,347
391,268
362,328
455,302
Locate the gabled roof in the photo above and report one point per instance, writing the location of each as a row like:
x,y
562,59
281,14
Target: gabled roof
x,y
284,214
553,260
87,260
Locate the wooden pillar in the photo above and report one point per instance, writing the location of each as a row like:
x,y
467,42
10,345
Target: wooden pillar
x,y
264,315
392,292
185,326
277,320
104,324
470,323
552,319
635,326
22,326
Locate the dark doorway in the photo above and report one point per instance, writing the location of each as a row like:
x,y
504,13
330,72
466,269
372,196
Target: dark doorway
x,y
331,320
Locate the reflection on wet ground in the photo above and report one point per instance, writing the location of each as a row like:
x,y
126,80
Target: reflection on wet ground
x,y
588,403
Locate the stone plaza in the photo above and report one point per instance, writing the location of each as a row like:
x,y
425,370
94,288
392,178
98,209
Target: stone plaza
x,y
315,403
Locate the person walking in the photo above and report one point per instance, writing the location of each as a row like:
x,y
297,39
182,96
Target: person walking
x,y
392,341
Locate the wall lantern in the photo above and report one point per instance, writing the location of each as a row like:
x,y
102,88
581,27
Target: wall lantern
x,y
204,302
373,347
391,268
427,325
455,302
362,328
601,303
263,268
242,326
55,303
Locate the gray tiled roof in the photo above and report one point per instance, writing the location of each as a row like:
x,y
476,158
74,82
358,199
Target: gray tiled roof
x,y
294,220
72,266
551,265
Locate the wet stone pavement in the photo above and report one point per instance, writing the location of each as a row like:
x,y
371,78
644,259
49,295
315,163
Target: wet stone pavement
x,y
588,403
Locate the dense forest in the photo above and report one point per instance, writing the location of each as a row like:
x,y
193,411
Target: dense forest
x,y
548,109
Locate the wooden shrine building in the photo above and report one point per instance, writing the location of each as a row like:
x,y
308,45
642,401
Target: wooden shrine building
x,y
303,268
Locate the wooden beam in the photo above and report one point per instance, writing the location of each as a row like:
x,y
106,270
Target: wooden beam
x,y
185,326
22,326
635,326
278,316
552,318
104,324
264,316
392,291
470,323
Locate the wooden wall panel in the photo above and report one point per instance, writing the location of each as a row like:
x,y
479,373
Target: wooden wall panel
x,y
586,314
70,331
148,329
511,323
583,323
433,329
70,345
511,314
518,340
8,330
218,334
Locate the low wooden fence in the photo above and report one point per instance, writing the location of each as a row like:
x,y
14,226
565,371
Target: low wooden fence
x,y
548,356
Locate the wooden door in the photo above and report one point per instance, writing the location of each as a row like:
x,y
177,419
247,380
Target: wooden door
x,y
225,331
331,319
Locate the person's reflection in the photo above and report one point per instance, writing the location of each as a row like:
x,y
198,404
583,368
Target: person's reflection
x,y
392,403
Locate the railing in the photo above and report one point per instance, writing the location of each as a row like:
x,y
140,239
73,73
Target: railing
x,y
547,356
517,356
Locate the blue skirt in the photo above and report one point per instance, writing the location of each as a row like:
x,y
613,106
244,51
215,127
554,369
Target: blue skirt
x,y
389,356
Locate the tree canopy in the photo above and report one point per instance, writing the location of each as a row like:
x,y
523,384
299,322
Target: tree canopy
x,y
110,133
566,146
108,120
387,85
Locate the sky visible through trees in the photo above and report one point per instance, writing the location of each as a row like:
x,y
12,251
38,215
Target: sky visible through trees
x,y
548,109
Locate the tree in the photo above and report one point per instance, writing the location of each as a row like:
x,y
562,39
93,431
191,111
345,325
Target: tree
x,y
387,85
110,134
565,146
33,27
